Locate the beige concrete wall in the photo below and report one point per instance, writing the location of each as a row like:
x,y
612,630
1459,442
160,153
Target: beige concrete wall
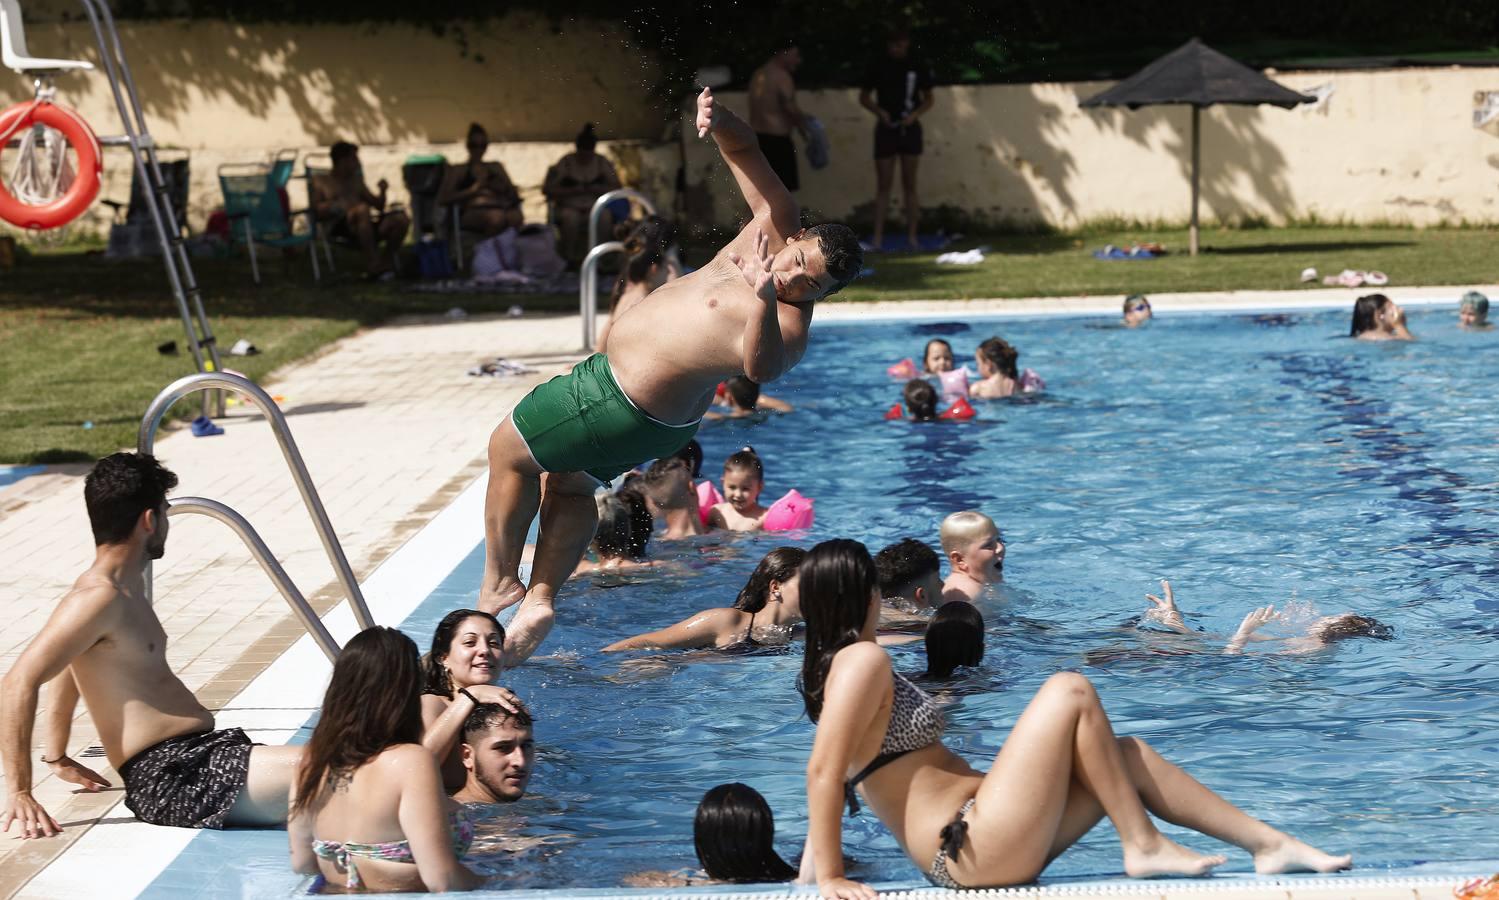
x,y
1387,146
234,93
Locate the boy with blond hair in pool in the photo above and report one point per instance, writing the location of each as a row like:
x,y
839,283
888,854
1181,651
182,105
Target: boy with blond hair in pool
x,y
746,312
976,553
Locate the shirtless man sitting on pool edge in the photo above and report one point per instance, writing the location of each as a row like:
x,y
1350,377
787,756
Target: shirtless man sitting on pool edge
x,y
104,641
744,313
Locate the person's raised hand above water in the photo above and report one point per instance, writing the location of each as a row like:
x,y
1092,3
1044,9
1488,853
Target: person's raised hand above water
x,y
756,268
1164,609
1254,621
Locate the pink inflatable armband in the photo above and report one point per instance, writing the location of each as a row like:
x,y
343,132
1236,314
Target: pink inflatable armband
x,y
707,498
906,368
789,513
954,385
1030,381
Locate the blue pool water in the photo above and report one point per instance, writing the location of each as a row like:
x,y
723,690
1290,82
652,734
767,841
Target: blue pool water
x,y
1250,459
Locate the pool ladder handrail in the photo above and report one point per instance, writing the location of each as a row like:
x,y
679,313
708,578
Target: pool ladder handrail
x,y
588,276
146,442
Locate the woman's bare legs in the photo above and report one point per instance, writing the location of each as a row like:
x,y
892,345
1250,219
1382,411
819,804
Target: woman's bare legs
x,y
1062,743
1171,793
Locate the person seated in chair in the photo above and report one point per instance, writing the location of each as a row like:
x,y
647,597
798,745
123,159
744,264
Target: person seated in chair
x,y
346,206
489,200
572,185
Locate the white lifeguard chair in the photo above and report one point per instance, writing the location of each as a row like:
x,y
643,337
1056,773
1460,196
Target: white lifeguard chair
x,y
185,291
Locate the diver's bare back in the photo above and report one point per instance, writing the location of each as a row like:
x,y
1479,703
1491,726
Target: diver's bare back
x,y
131,693
671,351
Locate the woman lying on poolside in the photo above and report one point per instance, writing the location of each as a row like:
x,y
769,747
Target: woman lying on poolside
x,y
1060,771
766,610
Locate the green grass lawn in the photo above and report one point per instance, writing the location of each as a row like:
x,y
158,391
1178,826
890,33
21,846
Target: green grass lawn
x,y
78,334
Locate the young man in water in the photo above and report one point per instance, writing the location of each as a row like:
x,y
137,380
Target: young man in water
x,y
498,752
746,312
105,642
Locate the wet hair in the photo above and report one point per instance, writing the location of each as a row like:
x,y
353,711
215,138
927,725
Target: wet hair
x,y
693,455
612,538
492,715
954,638
587,138
664,468
780,564
119,488
838,581
1477,302
646,244
926,351
744,392
841,253
904,563
1366,313
373,703
745,459
341,149
642,523
1001,355
921,400
1351,625
435,677
1135,298
734,835
963,528
476,130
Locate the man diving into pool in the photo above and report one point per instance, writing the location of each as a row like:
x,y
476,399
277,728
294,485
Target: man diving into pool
x,y
105,642
744,313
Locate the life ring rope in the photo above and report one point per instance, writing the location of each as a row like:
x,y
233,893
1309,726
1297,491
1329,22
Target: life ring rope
x,y
85,187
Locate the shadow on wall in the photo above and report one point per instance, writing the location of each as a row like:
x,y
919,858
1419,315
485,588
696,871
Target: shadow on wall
x,y
216,83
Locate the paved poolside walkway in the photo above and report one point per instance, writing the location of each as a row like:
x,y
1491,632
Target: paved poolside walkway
x,y
391,429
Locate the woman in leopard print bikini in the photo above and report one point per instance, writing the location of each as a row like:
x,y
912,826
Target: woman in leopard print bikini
x,y
1060,771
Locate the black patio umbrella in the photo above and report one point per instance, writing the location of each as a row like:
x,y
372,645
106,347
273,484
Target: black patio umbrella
x,y
1196,75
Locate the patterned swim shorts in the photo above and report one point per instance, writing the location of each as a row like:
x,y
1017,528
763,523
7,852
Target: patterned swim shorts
x,y
189,781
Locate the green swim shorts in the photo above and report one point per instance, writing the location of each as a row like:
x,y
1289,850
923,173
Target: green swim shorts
x,y
584,422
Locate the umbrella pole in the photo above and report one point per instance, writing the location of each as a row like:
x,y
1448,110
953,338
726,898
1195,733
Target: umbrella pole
x,y
1196,166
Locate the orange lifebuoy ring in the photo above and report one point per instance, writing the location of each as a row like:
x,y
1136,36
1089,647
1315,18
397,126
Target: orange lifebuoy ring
x,y
85,186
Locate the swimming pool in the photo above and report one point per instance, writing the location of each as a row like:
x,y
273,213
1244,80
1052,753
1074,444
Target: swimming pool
x,y
1251,459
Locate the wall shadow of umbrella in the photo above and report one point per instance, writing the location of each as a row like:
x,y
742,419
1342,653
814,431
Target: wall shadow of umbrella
x,y
1196,75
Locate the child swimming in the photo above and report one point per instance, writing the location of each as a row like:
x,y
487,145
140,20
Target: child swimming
x,y
1137,311
1473,312
921,400
668,486
937,357
1315,634
976,553
613,541
743,398
1378,318
743,480
1000,375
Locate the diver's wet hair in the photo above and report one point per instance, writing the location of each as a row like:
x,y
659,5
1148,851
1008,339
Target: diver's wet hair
x,y
1351,625
1366,313
921,400
734,835
954,638
781,565
745,459
841,253
744,392
904,563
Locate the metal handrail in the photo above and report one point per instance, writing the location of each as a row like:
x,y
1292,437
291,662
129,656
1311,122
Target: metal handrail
x,y
236,522
597,212
588,288
204,381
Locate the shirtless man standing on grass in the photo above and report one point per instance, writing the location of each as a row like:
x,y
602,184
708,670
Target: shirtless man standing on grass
x,y
744,313
105,642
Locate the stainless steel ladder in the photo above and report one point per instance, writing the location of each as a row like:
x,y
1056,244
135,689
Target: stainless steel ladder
x,y
224,382
185,290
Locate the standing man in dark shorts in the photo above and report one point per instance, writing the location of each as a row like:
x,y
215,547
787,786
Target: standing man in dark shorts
x,y
898,90
773,113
